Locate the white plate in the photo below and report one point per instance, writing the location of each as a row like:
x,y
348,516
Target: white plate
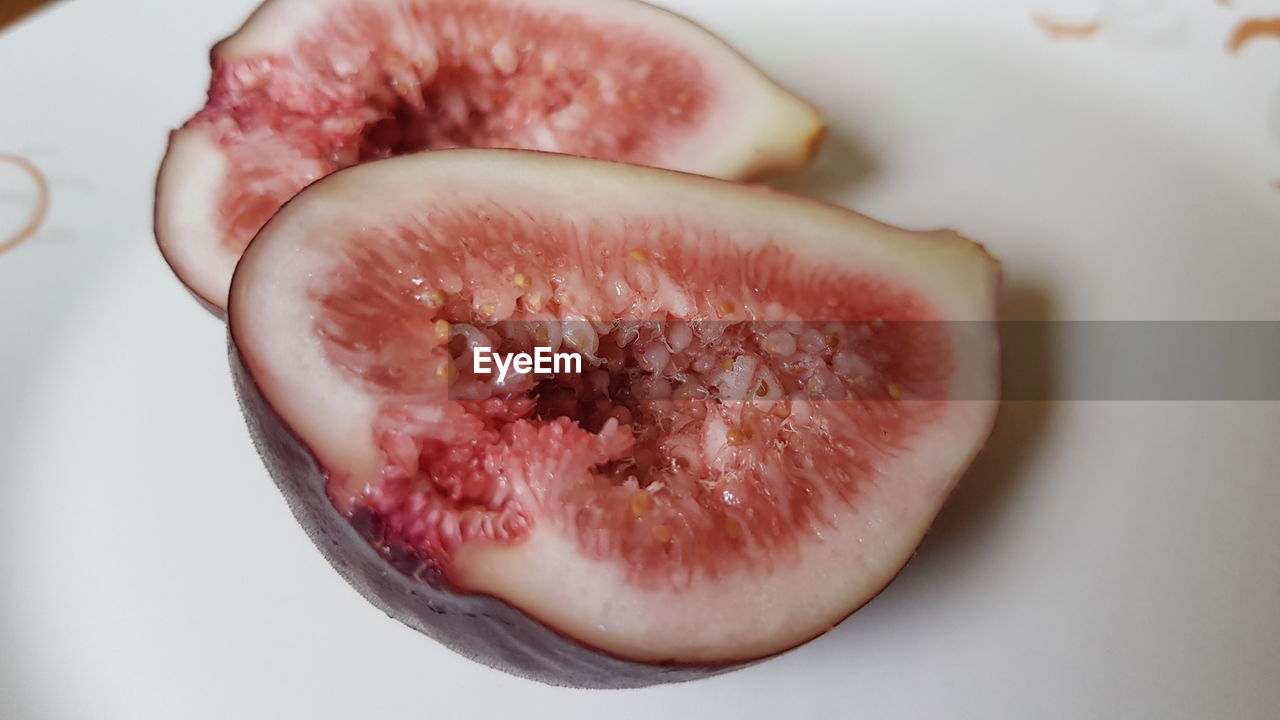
x,y
1103,559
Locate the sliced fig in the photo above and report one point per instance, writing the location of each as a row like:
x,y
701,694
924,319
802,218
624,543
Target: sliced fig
x,y
306,87
776,398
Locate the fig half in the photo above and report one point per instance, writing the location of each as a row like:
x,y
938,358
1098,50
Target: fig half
x,y
306,87
775,398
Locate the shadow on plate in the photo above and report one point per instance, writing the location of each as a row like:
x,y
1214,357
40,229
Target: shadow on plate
x,y
843,162
1029,384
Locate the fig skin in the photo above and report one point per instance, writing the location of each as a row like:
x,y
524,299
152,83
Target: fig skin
x,y
761,130
482,627
479,627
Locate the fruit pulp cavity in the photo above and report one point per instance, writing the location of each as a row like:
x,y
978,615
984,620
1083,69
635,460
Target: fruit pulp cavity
x,y
734,399
373,80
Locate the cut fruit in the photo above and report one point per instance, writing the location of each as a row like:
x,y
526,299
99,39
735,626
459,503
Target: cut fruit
x,y
776,398
307,87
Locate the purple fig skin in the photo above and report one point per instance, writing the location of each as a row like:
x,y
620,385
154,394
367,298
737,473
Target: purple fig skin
x,y
479,627
485,628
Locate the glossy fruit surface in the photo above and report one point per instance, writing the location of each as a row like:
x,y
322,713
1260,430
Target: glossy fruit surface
x,y
776,397
307,87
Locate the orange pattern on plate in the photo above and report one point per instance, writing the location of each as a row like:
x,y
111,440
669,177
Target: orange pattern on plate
x,y
42,201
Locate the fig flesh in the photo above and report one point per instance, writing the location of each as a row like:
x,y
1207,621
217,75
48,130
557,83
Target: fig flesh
x,y
776,396
306,87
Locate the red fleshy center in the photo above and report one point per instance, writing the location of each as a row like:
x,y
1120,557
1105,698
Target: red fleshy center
x,y
372,81
729,399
